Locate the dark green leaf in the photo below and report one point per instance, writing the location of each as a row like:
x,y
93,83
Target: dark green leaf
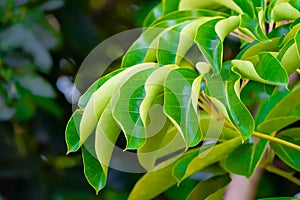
x,y
208,187
72,132
182,88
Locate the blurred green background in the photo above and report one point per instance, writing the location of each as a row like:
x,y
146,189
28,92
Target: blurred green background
x,y
42,45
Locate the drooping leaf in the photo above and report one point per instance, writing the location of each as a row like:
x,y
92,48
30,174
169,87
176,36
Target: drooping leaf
x,y
96,104
289,155
154,86
126,104
97,84
160,180
153,183
253,25
224,94
107,133
267,70
182,87
202,158
289,105
245,158
208,187
92,168
210,44
268,105
72,132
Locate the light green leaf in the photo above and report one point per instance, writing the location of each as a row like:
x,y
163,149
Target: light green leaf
x,y
245,159
189,15
289,155
208,187
182,87
92,169
284,11
268,70
297,41
72,132
97,84
96,105
289,57
154,86
153,183
107,133
277,123
126,104
195,4
197,159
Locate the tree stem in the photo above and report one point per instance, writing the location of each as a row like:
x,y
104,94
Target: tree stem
x,y
274,139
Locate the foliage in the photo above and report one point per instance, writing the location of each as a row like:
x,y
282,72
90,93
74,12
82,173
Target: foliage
x,y
194,92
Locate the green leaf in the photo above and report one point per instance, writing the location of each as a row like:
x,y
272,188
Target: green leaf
x,y
269,105
97,103
154,86
126,104
170,6
276,124
92,168
268,70
137,52
285,107
72,132
197,159
246,6
152,184
245,159
289,155
253,25
284,11
293,133
208,187
107,133
153,15
83,100
189,15
280,198
289,57
224,94
210,44
182,87
204,4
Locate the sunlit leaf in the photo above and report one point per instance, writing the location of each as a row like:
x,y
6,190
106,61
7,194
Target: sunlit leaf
x,y
268,70
203,157
126,104
284,11
182,87
97,84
